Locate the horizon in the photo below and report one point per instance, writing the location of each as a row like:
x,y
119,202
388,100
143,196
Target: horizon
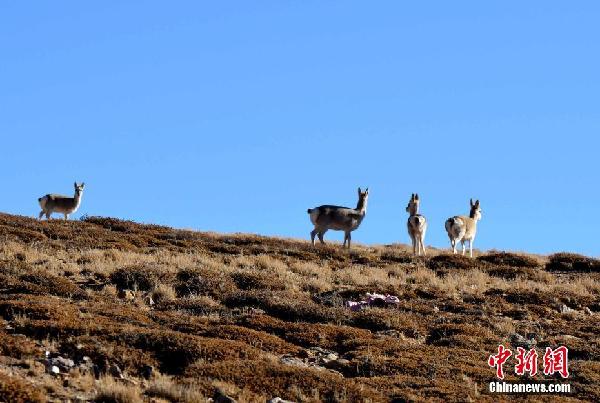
x,y
236,117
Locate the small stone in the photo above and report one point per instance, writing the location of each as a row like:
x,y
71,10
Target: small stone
x,y
54,370
296,362
587,311
65,364
565,309
517,339
279,400
338,364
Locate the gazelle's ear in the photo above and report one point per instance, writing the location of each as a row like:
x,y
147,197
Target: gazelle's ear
x,y
367,190
477,203
75,184
416,196
359,191
82,184
471,201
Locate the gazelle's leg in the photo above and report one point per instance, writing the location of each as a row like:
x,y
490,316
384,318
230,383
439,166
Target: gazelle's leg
x,y
41,215
48,215
422,246
453,243
349,238
312,236
320,234
471,248
462,242
66,216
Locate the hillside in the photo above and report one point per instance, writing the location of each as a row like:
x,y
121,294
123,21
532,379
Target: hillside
x,y
107,309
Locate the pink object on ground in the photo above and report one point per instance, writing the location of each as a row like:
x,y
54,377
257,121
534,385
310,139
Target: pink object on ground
x,y
373,299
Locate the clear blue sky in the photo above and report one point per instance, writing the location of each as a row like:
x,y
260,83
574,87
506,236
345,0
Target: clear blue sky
x,y
238,116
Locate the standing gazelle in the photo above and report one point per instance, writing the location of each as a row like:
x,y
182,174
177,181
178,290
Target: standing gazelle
x,y
338,218
53,203
461,228
417,225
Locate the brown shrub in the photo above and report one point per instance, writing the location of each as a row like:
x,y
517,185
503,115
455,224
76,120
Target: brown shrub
x,y
19,276
257,339
166,388
175,351
204,281
377,319
104,352
257,281
511,272
46,283
460,335
333,337
112,391
17,346
197,305
287,382
572,262
141,277
451,262
510,259
35,307
397,256
287,307
15,390
521,297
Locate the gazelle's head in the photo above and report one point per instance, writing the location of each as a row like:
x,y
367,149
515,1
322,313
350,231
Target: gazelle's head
x,y
363,196
475,210
79,188
413,204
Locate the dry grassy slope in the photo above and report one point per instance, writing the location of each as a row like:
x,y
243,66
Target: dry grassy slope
x,y
238,311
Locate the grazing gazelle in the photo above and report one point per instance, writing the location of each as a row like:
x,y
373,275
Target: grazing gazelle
x,y
461,228
417,225
338,218
53,203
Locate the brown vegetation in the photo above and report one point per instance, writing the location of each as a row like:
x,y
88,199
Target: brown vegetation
x,y
148,312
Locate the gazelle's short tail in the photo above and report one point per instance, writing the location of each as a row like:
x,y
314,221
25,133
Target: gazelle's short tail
x,y
450,222
309,211
42,201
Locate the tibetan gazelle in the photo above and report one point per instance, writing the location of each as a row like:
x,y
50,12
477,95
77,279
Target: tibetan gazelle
x,y
338,218
417,225
53,203
462,228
